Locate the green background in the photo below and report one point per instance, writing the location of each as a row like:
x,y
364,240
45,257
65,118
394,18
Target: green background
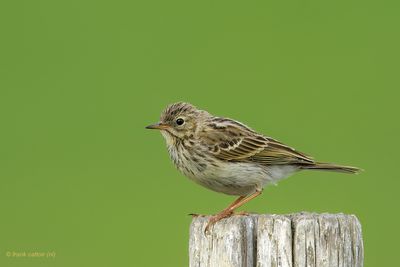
x,y
79,81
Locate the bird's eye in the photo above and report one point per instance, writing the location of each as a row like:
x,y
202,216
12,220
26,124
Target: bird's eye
x,y
179,121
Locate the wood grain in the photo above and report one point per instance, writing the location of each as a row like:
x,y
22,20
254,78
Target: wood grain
x,y
293,240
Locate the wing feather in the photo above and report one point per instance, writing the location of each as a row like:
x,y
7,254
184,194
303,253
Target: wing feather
x,y
233,141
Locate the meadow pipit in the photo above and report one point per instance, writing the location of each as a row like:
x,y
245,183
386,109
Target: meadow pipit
x,y
227,156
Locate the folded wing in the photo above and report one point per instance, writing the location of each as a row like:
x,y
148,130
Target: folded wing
x,y
233,141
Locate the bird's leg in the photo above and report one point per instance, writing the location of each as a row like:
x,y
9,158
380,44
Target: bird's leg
x,y
245,200
234,203
225,210
230,209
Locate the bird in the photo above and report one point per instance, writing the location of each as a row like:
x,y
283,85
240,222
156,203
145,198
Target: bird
x,y
227,156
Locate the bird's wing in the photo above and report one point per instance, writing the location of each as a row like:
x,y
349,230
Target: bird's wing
x,y
233,141
277,153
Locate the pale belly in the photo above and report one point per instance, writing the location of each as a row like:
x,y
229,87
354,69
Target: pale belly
x,y
232,178
238,178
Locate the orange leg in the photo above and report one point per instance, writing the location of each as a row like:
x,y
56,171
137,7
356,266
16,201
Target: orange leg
x,y
226,209
245,200
235,202
230,209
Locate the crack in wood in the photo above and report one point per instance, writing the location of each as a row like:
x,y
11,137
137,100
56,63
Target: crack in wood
x,y
293,240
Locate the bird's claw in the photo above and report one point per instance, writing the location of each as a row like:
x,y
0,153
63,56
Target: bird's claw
x,y
244,213
216,218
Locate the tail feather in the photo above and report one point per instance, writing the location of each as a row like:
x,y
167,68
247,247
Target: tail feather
x,y
332,167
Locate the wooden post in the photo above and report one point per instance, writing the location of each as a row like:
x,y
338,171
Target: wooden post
x,y
294,240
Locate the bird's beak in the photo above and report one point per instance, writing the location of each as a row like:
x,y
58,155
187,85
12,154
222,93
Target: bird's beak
x,y
159,126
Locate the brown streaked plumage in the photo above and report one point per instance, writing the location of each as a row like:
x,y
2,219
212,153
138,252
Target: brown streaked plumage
x,y
227,156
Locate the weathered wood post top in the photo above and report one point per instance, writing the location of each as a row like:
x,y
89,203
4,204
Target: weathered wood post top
x,y
302,239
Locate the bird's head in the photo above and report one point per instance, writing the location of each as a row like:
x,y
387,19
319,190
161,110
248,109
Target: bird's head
x,y
178,121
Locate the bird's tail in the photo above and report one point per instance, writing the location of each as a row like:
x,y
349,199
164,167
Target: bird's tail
x,y
332,167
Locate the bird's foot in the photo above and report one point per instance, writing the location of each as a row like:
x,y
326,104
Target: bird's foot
x,y
243,213
217,217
